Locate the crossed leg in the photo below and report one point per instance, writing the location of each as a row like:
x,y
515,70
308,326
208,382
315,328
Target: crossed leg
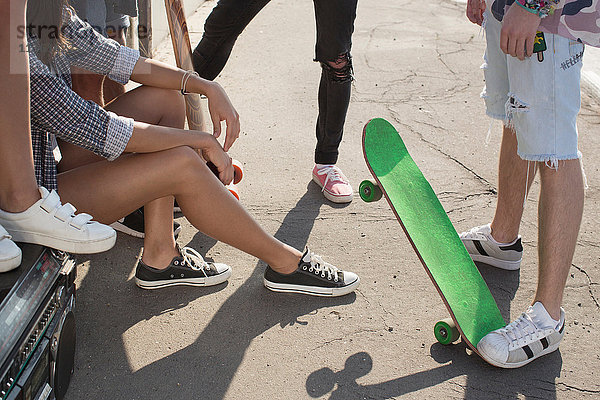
x,y
111,190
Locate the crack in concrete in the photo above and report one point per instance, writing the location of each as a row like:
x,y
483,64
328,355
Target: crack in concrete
x,y
589,285
343,337
571,387
480,178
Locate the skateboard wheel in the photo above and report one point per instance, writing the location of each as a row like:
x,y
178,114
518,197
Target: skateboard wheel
x,y
234,191
238,171
445,331
370,191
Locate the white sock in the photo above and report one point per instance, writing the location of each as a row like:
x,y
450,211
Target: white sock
x,y
319,166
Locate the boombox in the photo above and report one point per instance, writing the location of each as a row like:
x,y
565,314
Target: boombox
x,y
37,326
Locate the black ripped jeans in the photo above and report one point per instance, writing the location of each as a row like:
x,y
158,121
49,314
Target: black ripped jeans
x,y
335,25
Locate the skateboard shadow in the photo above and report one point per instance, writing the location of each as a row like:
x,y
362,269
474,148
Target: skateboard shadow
x,y
203,368
502,284
535,380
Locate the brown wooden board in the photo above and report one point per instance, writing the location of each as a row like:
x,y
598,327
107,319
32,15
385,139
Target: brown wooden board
x,y
183,57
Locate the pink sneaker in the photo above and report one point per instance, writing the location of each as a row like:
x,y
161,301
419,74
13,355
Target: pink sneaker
x,y
334,183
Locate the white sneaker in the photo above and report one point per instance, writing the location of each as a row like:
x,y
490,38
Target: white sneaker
x,y
530,336
50,223
10,253
482,247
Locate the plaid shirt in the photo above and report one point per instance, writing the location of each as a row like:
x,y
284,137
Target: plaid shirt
x,y
57,111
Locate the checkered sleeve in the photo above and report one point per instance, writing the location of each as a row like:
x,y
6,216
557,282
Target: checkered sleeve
x,y
93,52
58,110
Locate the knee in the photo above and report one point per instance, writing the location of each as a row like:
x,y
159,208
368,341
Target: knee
x,y
186,164
340,69
174,109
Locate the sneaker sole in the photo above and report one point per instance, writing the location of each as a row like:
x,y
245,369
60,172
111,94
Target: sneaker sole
x,y
210,281
132,232
495,262
332,197
76,247
311,290
127,230
549,350
10,263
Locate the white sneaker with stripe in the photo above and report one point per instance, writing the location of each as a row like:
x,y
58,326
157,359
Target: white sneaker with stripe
x,y
482,247
530,336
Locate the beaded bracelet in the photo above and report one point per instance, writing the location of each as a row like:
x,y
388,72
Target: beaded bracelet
x,y
542,8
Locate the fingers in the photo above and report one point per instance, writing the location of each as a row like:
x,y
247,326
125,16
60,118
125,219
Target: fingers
x,y
529,47
472,10
233,132
226,174
517,36
216,121
520,49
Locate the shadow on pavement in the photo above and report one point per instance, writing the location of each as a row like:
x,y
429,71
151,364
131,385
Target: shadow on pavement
x,y
536,380
205,368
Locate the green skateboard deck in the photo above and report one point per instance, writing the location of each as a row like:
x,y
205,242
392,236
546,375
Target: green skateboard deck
x,y
429,230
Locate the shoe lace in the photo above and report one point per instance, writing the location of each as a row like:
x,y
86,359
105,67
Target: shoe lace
x,y
320,267
192,258
521,331
474,233
334,174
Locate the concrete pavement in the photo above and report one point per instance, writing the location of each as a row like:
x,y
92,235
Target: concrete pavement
x,y
416,64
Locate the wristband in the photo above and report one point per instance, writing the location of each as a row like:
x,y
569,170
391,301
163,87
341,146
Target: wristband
x,y
528,7
542,8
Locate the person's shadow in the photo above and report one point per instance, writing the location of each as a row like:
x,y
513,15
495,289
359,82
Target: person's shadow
x,y
535,380
206,367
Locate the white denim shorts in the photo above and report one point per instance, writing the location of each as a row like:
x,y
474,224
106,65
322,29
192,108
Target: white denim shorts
x,y
539,100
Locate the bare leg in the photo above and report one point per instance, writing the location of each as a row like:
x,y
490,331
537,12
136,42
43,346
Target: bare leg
x,y
18,186
512,174
140,104
559,216
159,243
136,179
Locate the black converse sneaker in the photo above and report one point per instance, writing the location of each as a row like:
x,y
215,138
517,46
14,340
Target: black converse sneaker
x,y
133,225
189,268
313,276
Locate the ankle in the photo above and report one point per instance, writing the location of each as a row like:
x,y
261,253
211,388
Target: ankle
x,y
503,236
287,264
159,257
19,200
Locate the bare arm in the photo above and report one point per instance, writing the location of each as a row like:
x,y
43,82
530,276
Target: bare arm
x,y
157,74
148,138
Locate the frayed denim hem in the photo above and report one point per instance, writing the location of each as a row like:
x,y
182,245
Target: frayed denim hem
x,y
551,160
